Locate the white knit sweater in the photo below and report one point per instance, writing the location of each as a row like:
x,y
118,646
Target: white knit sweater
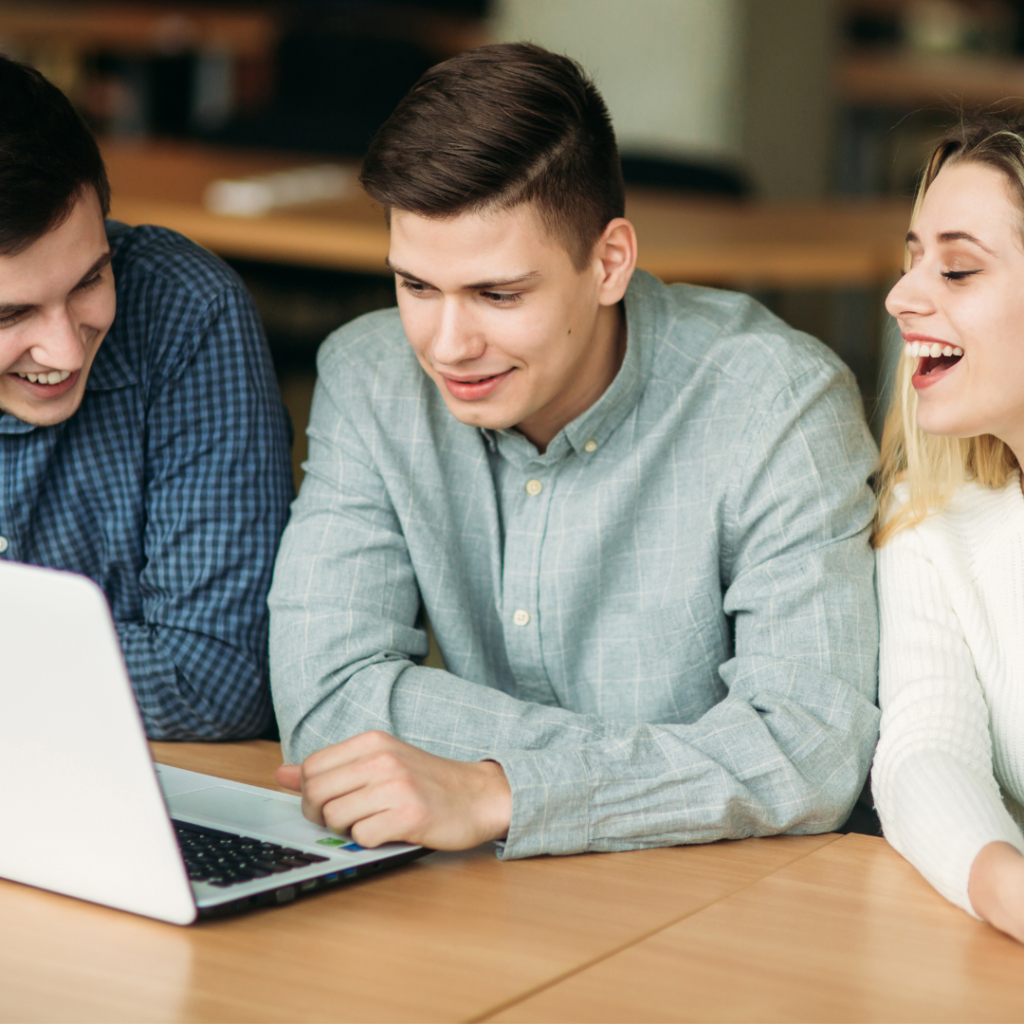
x,y
948,775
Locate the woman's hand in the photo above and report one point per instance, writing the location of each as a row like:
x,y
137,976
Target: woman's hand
x,y
996,888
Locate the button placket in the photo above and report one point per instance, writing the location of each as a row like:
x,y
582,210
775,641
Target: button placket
x,y
526,505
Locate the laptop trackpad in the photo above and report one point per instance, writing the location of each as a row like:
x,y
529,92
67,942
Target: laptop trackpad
x,y
235,807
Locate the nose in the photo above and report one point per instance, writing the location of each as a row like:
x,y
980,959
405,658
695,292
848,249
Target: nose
x,y
57,344
910,296
457,338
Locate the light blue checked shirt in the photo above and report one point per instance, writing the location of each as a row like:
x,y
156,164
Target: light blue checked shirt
x,y
663,628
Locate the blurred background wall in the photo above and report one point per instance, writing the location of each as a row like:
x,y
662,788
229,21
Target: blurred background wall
x,y
670,71
745,104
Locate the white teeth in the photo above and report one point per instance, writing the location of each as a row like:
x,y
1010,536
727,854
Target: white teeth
x,y
958,351
948,350
53,377
936,350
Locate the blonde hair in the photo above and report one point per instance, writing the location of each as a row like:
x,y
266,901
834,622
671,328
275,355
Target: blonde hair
x,y
929,467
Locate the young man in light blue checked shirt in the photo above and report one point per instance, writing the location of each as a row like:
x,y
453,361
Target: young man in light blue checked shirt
x,y
635,515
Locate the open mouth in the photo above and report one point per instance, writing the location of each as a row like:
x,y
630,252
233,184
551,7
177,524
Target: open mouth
x,y
50,384
935,359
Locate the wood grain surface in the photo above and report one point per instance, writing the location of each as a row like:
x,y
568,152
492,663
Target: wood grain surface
x,y
452,936
850,933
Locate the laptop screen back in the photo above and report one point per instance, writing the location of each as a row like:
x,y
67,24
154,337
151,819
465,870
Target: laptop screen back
x,y
81,810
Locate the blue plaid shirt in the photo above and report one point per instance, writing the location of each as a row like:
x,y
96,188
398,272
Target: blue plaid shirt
x,y
169,487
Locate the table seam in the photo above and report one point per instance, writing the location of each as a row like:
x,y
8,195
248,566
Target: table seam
x,y
506,1004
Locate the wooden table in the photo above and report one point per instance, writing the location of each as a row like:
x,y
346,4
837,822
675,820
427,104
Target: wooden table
x,y
847,243
791,928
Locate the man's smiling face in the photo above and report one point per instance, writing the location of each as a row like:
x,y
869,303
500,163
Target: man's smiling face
x,y
57,302
507,328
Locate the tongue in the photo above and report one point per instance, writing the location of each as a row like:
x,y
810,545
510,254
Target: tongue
x,y
940,363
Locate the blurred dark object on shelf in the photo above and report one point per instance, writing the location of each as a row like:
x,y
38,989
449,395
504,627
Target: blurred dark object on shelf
x,y
936,26
333,92
342,68
680,175
307,75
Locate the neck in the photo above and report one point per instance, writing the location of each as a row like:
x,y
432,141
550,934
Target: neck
x,y
605,353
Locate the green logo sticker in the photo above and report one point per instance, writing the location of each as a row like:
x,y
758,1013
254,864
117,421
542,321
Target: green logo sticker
x,y
331,842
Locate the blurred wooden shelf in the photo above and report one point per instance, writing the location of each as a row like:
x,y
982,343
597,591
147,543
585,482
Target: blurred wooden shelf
x,y
902,80
847,243
139,28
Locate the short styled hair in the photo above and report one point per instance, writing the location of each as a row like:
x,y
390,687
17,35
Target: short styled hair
x,y
498,126
47,157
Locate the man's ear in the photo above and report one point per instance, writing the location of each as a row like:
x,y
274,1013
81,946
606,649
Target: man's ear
x,y
616,252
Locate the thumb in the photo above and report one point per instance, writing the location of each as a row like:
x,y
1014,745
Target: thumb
x,y
289,776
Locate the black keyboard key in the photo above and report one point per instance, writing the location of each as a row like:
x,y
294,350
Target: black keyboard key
x,y
223,859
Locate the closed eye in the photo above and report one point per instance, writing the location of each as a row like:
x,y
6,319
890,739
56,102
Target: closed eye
x,y
958,275
416,287
84,286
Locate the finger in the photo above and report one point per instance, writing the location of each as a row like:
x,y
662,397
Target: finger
x,y
347,751
289,776
319,790
345,813
378,829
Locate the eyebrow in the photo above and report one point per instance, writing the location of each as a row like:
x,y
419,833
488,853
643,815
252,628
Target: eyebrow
x,y
475,287
953,236
11,308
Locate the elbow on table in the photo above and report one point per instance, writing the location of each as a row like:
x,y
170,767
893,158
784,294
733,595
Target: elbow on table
x,y
183,721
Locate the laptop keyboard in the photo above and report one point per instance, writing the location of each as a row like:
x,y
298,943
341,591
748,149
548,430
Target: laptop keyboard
x,y
223,858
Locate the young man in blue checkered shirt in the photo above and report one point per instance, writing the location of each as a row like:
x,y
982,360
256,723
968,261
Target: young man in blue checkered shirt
x,y
143,442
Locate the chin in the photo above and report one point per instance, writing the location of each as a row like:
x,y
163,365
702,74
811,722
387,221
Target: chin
x,y
947,425
483,419
42,417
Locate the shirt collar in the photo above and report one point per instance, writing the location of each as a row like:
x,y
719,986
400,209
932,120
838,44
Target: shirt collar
x,y
588,433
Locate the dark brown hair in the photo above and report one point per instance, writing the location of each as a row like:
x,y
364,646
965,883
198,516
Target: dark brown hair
x,y
499,126
47,157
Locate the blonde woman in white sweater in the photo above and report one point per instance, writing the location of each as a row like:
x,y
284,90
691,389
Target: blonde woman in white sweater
x,y
948,776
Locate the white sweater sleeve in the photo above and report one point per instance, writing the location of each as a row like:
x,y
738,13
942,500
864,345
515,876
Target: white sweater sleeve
x,y
932,779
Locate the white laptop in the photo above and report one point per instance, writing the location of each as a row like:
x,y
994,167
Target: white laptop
x,y
85,812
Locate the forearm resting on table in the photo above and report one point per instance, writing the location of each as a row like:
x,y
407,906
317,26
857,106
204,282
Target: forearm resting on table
x,y
996,888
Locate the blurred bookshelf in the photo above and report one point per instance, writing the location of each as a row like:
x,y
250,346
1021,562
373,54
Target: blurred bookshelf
x,y
907,70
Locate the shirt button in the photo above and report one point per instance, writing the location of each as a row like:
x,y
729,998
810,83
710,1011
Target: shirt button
x,y
521,617
3,545
534,487
590,446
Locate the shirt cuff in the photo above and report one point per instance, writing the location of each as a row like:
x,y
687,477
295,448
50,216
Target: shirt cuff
x,y
550,803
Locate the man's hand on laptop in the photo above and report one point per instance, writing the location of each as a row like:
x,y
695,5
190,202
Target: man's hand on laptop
x,y
381,789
